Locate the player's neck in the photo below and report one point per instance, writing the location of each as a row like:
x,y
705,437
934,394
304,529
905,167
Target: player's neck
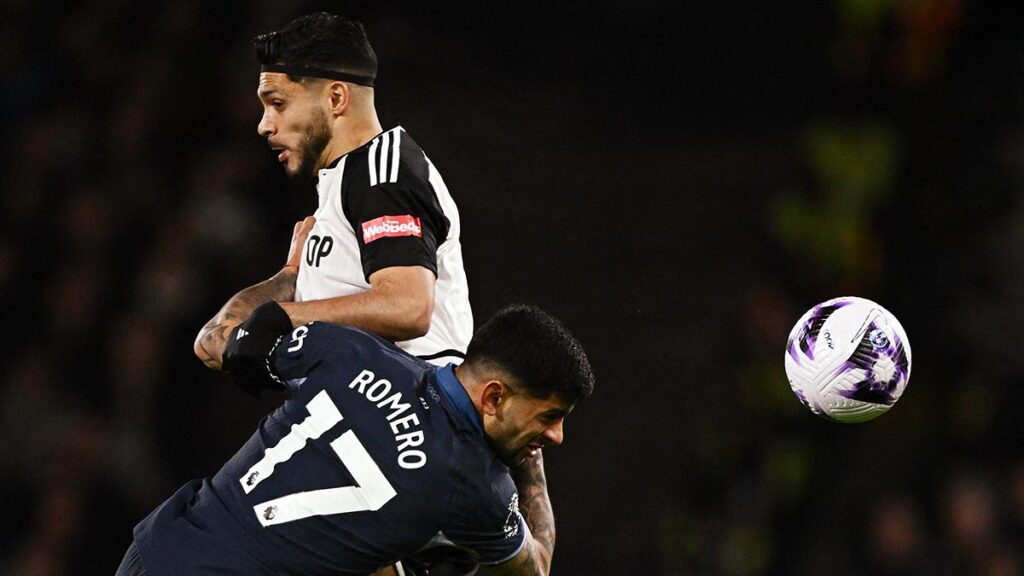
x,y
466,378
349,134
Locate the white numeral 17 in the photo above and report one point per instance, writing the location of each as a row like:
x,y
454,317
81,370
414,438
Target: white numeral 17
x,y
371,492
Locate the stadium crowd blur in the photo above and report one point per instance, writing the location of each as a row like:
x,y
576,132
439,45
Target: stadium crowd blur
x,y
678,185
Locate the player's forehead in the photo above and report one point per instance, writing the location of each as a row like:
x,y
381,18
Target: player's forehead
x,y
276,83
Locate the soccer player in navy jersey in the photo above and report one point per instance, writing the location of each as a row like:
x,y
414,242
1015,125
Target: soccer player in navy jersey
x,y
378,454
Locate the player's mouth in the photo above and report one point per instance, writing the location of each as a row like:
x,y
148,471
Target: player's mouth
x,y
282,152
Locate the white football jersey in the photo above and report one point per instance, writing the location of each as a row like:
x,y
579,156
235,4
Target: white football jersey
x,y
384,204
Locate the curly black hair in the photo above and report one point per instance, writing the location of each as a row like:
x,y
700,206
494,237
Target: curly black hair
x,y
537,350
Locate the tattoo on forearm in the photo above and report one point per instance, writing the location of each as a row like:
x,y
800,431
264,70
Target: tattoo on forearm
x,y
528,563
536,509
212,340
214,336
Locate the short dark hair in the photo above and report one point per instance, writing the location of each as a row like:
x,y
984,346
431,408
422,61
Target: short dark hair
x,y
537,350
319,40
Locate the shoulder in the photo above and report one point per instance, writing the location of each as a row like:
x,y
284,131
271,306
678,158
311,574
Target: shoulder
x,y
486,518
320,341
492,488
326,348
341,334
392,158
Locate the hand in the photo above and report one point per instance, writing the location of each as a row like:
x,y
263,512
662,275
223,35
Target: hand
x,y
299,235
247,355
213,338
528,465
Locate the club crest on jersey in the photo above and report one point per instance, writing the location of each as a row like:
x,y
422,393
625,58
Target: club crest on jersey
x,y
391,226
511,527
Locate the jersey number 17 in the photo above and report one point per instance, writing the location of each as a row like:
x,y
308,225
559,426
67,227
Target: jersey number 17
x,y
371,492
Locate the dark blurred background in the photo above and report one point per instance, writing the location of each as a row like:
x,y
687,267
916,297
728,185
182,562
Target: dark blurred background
x,y
678,181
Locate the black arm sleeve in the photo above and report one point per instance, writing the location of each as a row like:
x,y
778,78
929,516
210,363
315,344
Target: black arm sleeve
x,y
396,224
250,344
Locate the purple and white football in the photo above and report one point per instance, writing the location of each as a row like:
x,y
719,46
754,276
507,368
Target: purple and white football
x,y
848,359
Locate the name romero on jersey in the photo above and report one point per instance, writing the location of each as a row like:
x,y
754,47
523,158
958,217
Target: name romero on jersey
x,y
377,392
319,488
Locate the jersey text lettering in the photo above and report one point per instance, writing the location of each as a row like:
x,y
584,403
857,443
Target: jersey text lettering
x,y
377,391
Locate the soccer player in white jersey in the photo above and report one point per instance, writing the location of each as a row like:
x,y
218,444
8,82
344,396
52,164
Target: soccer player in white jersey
x,y
382,251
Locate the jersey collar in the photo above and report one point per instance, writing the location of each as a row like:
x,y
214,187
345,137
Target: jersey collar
x,y
327,176
453,391
334,163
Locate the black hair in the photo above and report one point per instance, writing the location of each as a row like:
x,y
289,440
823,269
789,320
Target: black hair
x,y
319,40
537,350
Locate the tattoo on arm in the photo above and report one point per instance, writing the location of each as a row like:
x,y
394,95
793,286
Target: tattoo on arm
x,y
213,338
535,506
526,563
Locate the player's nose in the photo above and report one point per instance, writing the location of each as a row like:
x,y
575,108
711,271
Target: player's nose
x,y
554,434
265,127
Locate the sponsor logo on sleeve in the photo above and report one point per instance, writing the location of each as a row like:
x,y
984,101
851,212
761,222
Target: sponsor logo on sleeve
x,y
391,226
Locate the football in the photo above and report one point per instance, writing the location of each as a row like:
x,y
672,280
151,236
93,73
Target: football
x,y
848,360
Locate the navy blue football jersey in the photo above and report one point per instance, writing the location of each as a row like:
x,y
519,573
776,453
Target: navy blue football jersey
x,y
376,455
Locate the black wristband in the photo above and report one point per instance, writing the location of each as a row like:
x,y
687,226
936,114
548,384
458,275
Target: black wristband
x,y
269,317
247,354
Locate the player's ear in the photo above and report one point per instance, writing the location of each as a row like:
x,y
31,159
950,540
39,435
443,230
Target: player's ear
x,y
492,395
339,95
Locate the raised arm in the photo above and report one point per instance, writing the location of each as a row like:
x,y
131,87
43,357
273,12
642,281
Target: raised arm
x,y
398,305
212,339
535,557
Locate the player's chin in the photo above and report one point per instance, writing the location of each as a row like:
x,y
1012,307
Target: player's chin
x,y
303,172
293,172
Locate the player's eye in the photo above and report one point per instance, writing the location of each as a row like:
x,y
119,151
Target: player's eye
x,y
551,417
277,104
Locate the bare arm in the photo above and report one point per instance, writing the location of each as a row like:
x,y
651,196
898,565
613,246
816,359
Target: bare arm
x,y
535,557
212,339
398,305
